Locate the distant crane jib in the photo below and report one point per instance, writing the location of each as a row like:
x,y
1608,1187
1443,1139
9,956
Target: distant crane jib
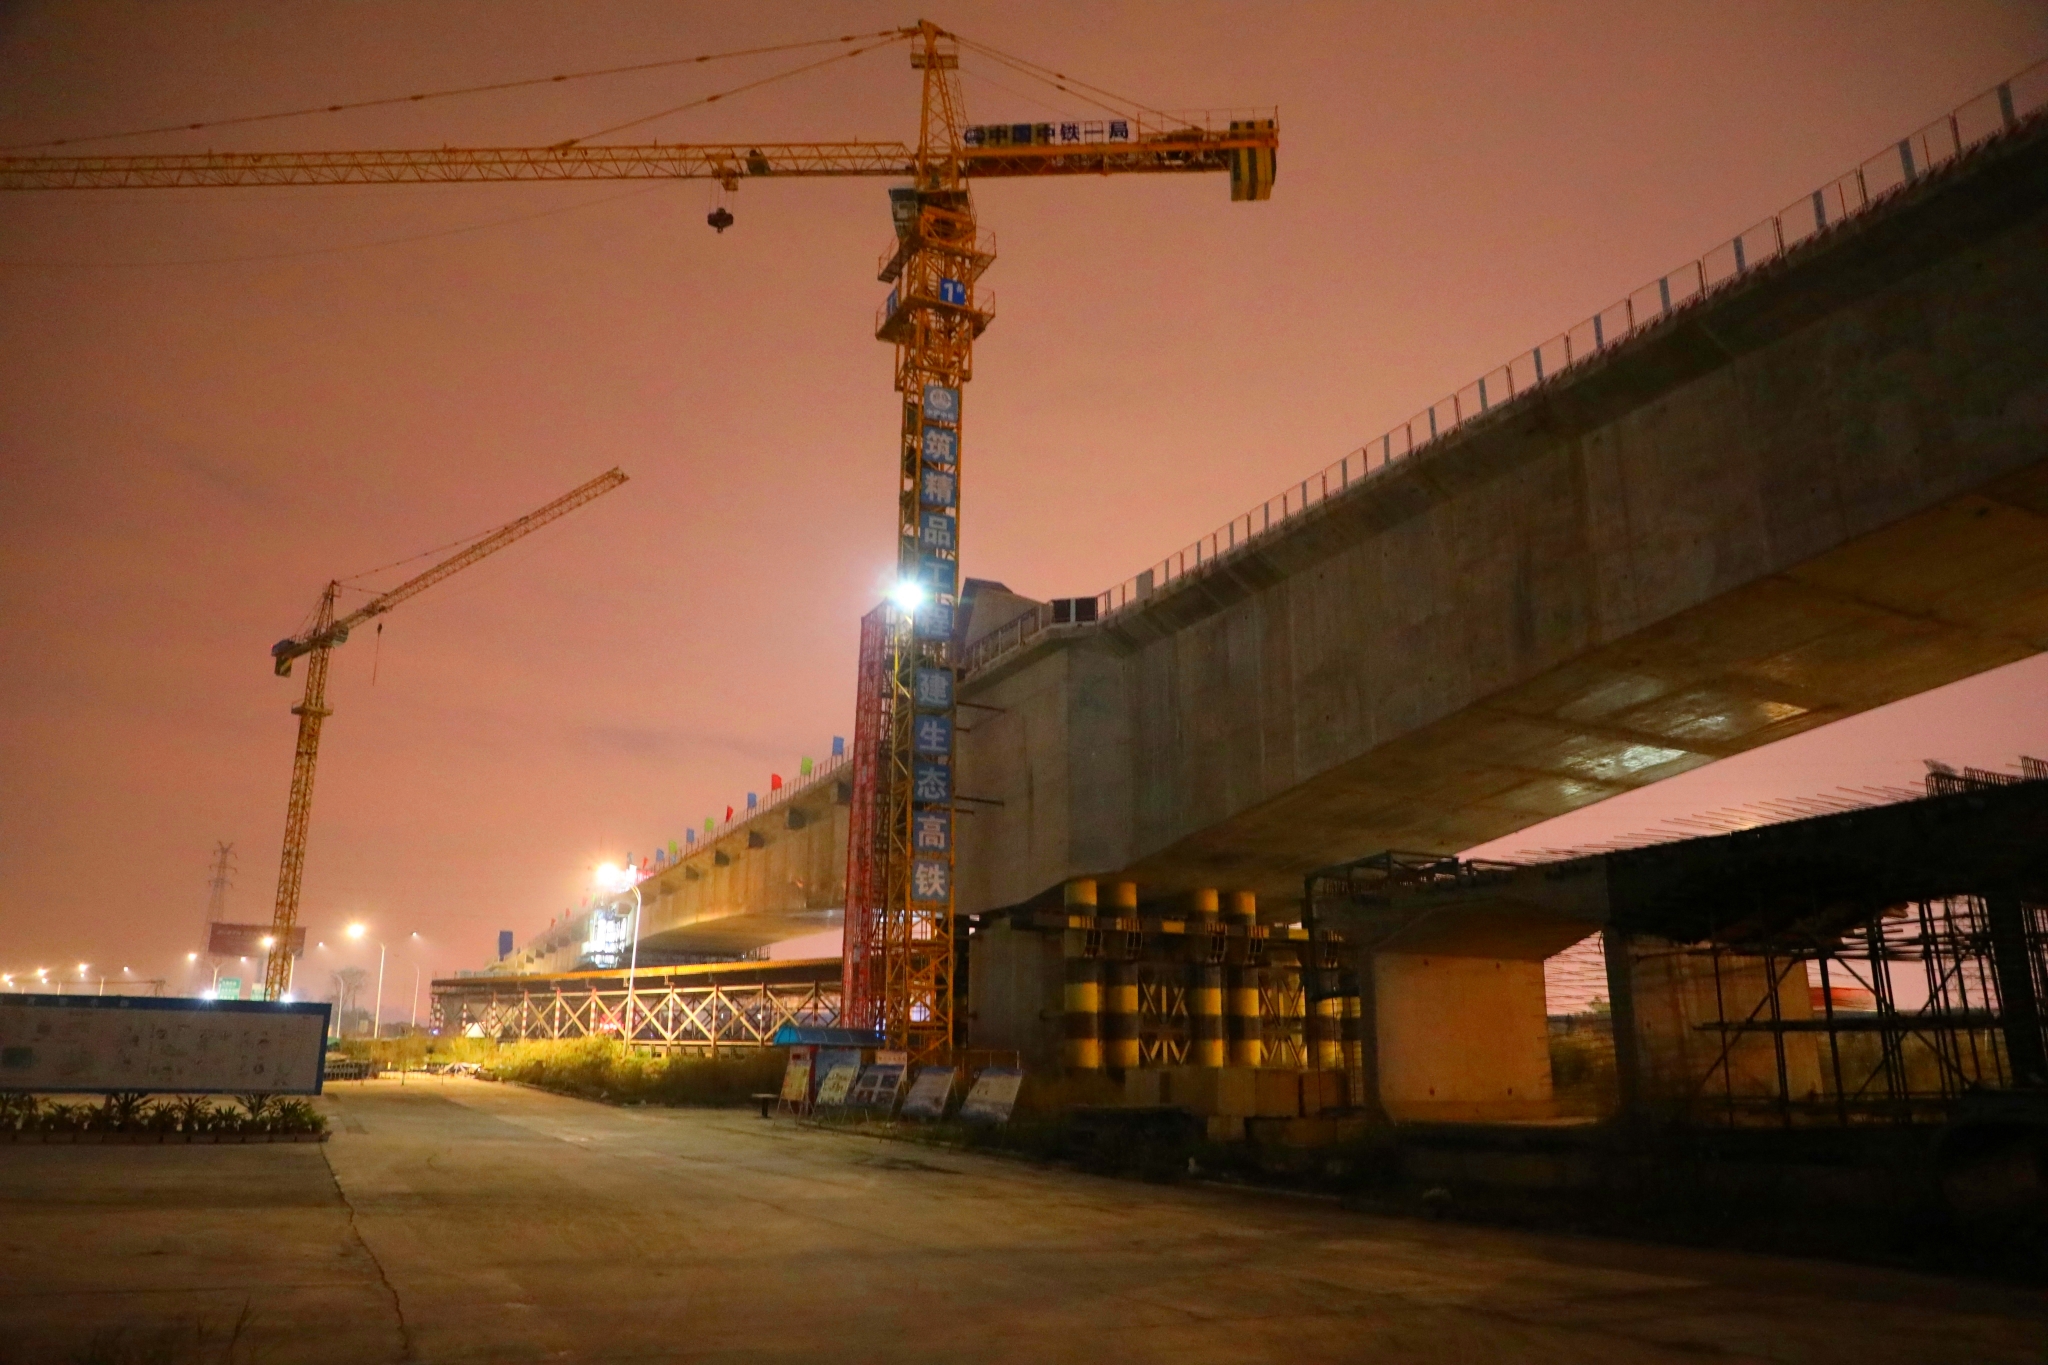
x,y
337,633
329,631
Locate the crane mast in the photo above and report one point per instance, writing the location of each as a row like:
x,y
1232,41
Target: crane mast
x,y
315,644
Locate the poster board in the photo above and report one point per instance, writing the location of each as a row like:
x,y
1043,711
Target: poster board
x,y
878,1086
993,1097
57,1044
837,1085
796,1079
929,1093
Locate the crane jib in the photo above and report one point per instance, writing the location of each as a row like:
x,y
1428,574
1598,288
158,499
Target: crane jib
x,y
1191,151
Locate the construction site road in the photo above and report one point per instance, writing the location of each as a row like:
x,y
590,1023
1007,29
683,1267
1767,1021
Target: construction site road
x,y
455,1220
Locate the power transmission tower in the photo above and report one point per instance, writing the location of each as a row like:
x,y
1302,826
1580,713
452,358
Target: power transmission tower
x,y
218,885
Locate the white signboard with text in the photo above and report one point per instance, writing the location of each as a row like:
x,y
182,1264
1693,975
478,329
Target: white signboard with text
x,y
102,1044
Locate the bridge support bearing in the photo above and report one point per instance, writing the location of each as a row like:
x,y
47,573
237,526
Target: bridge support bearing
x,y
1205,990
1241,996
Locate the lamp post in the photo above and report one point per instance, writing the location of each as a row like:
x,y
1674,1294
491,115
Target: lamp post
x,y
376,1019
414,1021
616,879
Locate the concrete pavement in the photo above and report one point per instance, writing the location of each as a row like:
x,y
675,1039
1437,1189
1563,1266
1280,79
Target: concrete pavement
x,y
455,1220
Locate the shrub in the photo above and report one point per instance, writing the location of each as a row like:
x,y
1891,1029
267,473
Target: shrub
x,y
602,1069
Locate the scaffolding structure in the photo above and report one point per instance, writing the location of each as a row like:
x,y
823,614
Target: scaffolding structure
x,y
867,849
1931,1018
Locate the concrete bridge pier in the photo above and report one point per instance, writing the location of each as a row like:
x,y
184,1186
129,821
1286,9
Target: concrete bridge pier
x,y
1458,1039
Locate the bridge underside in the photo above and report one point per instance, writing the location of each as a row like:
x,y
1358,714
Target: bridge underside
x,y
1927,601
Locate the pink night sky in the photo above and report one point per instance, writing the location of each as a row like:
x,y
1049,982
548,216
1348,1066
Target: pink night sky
x,y
218,400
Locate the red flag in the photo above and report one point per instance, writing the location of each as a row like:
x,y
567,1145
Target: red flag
x,y
728,814
775,782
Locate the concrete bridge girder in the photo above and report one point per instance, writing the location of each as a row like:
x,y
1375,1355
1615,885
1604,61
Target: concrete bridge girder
x,y
1822,490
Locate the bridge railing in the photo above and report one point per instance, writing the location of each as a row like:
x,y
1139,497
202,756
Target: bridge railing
x,y
1996,111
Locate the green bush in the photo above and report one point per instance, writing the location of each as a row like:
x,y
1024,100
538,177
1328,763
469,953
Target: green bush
x,y
602,1069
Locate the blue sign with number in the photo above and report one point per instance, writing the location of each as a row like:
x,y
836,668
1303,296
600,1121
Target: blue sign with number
x,y
953,292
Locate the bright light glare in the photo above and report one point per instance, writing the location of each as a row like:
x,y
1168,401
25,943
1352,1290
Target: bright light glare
x,y
191,957
907,595
612,877
355,931
81,969
269,942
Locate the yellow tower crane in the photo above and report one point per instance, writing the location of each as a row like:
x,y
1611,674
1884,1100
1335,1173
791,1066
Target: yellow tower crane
x,y
316,642
932,317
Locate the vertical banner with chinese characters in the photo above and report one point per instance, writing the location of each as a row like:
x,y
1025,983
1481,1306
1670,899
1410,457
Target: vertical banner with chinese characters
x,y
938,567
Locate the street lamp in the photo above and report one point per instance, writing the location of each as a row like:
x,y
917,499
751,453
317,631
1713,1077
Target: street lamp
x,y
614,878
415,1021
377,1020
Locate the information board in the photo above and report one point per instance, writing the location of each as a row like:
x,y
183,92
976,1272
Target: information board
x,y
100,1044
929,1093
993,1097
838,1083
796,1078
877,1087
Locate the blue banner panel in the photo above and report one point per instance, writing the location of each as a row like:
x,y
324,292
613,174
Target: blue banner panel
x,y
932,735
942,404
931,782
930,880
938,575
931,831
934,689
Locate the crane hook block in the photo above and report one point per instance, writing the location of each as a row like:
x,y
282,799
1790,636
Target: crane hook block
x,y
719,218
